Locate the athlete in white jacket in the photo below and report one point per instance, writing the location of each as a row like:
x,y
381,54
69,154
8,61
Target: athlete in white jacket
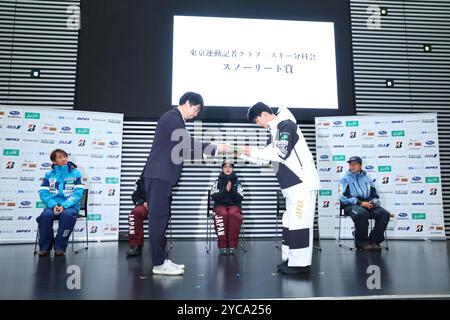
x,y
298,179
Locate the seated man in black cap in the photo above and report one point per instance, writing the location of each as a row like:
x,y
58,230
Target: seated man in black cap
x,y
361,202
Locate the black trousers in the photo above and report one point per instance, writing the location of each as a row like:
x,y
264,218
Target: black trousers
x,y
361,216
158,200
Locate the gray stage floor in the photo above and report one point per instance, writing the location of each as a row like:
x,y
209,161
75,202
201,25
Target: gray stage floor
x,y
409,268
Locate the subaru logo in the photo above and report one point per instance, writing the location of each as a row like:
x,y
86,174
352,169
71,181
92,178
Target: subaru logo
x,y
46,164
382,132
14,113
369,167
403,214
416,178
324,157
113,143
429,142
96,178
25,203
65,128
337,123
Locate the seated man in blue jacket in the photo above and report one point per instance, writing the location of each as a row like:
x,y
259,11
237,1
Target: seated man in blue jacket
x,y
360,201
61,191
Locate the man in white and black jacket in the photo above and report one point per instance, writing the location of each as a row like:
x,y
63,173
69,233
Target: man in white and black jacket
x,y
298,179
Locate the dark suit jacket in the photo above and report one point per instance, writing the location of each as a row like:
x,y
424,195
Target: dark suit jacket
x,y
160,163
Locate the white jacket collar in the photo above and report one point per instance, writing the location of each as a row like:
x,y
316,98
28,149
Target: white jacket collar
x,y
282,114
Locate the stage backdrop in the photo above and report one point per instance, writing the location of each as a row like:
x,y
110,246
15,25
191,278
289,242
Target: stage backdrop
x,y
401,155
27,137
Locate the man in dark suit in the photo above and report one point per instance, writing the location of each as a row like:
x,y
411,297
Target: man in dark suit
x,y
172,143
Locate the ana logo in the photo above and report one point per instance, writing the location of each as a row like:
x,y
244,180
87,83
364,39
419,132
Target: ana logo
x,y
325,169
113,156
24,217
14,113
398,144
385,180
13,126
339,169
31,128
403,228
65,141
338,135
25,203
95,192
417,192
326,204
383,145
96,179
433,155
352,134
113,143
324,157
81,143
433,191
10,165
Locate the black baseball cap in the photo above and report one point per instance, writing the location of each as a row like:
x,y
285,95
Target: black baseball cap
x,y
355,159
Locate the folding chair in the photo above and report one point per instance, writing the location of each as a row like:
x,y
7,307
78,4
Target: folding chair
x,y
371,225
83,207
210,222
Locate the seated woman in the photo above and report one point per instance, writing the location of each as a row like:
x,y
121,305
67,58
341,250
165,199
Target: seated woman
x,y
61,191
227,195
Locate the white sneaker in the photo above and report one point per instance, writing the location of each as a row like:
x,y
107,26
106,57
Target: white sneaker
x,y
167,269
179,266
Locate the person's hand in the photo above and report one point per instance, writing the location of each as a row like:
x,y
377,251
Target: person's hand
x,y
367,205
223,148
247,151
229,186
145,205
58,209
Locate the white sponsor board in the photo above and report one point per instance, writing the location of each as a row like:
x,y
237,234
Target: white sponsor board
x,y
28,136
400,154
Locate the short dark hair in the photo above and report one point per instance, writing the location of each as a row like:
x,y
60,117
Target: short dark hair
x,y
255,111
193,97
228,162
55,152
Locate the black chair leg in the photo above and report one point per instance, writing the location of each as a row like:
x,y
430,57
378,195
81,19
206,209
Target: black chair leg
x,y
36,241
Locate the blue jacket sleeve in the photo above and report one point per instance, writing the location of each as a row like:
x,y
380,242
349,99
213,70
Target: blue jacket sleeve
x,y
345,196
77,192
45,195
